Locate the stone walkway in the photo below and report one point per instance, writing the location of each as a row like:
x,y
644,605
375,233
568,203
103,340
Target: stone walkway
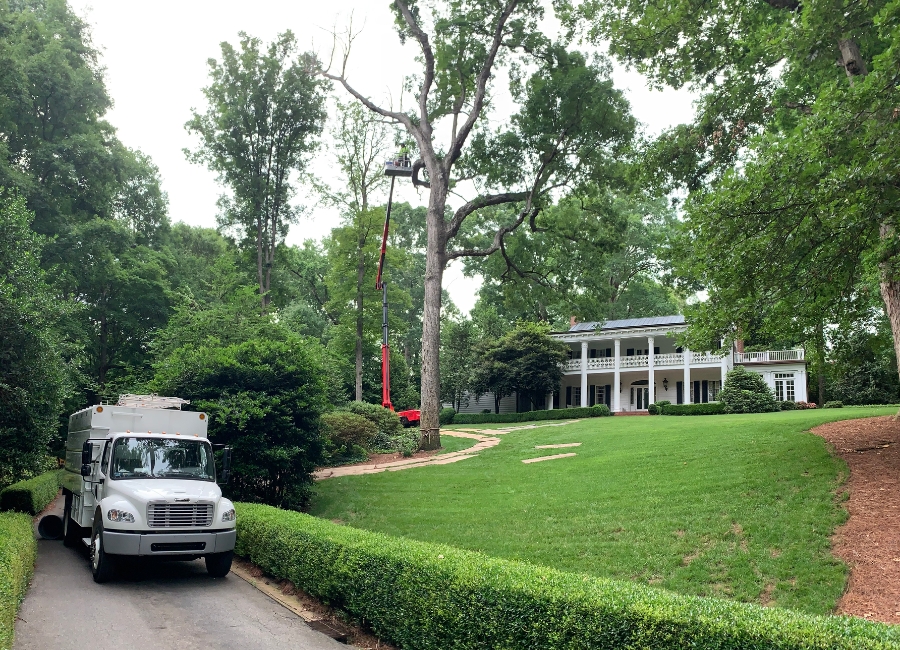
x,y
486,438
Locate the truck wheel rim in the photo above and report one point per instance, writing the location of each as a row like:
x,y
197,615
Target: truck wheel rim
x,y
95,552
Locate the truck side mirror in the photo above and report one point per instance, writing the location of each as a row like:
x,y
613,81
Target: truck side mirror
x,y
86,469
226,466
87,454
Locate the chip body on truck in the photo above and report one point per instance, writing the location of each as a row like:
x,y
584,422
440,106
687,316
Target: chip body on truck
x,y
140,480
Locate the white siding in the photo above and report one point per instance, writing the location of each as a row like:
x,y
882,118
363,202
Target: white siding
x,y
486,401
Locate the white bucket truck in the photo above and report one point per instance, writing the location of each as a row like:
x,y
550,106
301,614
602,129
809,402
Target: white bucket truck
x,y
140,480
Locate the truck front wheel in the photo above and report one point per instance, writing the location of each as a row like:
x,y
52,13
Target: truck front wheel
x,y
103,565
219,564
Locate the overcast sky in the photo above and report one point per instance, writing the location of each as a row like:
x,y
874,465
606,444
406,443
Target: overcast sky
x,y
155,57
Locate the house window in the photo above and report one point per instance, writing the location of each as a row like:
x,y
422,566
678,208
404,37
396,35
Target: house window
x,y
577,396
714,388
784,386
629,352
601,395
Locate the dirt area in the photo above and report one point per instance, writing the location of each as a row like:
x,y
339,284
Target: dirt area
x,y
870,540
381,459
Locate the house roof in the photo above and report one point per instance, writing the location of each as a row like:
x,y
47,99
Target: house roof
x,y
628,322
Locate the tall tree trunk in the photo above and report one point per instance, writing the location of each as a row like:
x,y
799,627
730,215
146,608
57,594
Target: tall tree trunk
x,y
259,264
435,261
890,289
820,360
360,278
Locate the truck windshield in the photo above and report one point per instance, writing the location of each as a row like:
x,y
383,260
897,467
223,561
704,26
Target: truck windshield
x,y
162,458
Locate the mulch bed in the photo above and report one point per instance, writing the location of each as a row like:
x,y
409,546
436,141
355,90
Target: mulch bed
x,y
870,540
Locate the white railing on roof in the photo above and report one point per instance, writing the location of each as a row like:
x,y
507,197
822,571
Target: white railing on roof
x,y
704,357
768,356
671,359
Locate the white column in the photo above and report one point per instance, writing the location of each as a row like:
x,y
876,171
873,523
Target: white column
x,y
686,389
550,401
584,365
651,372
724,369
617,381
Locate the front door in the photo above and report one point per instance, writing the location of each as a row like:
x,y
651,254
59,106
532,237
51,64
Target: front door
x,y
639,395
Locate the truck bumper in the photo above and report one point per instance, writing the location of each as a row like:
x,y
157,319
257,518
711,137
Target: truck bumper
x,y
169,543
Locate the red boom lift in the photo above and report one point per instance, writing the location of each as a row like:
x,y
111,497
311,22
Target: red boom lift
x,y
398,166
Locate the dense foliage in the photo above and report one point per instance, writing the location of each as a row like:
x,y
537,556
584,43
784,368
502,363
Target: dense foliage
x,y
264,399
711,408
33,379
600,410
415,594
746,392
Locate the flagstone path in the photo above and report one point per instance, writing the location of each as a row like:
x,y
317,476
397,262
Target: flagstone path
x,y
485,439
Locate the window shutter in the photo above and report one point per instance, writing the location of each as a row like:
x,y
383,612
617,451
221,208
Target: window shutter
x,y
568,396
629,352
593,354
705,391
592,394
679,392
655,350
608,392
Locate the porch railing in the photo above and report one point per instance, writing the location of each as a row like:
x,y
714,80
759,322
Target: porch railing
x,y
643,361
768,356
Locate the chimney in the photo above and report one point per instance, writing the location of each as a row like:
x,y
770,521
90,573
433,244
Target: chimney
x,y
573,321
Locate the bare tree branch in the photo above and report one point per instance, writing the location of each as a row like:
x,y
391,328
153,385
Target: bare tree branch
x,y
428,53
483,201
480,88
498,238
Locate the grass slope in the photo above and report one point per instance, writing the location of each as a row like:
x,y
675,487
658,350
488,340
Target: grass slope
x,y
737,506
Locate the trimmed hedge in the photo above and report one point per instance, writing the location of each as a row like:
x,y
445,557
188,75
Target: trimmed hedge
x,y
431,597
600,410
834,404
31,496
711,408
18,551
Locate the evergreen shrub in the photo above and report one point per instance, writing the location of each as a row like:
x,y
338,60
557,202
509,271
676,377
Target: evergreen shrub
x,y
31,496
345,430
787,406
390,436
834,404
18,551
746,392
600,410
711,408
431,597
446,416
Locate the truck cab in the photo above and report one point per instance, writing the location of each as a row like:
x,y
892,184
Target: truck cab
x,y
140,480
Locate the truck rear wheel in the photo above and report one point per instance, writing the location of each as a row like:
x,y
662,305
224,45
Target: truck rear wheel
x,y
71,530
219,564
103,565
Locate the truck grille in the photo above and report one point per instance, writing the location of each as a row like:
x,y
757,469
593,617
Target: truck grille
x,y
179,515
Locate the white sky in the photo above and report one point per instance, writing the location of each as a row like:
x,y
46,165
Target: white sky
x,y
155,56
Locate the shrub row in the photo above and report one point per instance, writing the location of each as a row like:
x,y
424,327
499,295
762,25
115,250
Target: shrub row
x,y
431,597
834,404
711,408
18,550
31,496
600,410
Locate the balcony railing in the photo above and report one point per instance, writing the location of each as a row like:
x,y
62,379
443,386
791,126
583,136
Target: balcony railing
x,y
643,361
768,356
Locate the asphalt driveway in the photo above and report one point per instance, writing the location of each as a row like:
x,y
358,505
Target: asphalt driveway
x,y
155,606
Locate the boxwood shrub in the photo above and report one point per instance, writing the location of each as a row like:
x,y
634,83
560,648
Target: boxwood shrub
x,y
432,597
18,550
600,410
712,408
31,496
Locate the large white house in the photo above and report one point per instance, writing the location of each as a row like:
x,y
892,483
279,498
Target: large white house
x,y
628,364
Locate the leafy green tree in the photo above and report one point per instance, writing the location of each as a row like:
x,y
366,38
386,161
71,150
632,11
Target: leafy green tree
x,y
457,358
595,257
862,366
265,111
264,399
525,360
34,381
569,125
746,392
786,160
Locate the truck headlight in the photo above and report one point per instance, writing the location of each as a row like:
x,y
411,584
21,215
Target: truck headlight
x,y
228,515
120,515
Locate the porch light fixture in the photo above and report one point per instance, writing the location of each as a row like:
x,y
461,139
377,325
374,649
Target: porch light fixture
x,y
665,384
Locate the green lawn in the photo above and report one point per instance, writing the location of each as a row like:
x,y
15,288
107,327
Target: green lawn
x,y
738,506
